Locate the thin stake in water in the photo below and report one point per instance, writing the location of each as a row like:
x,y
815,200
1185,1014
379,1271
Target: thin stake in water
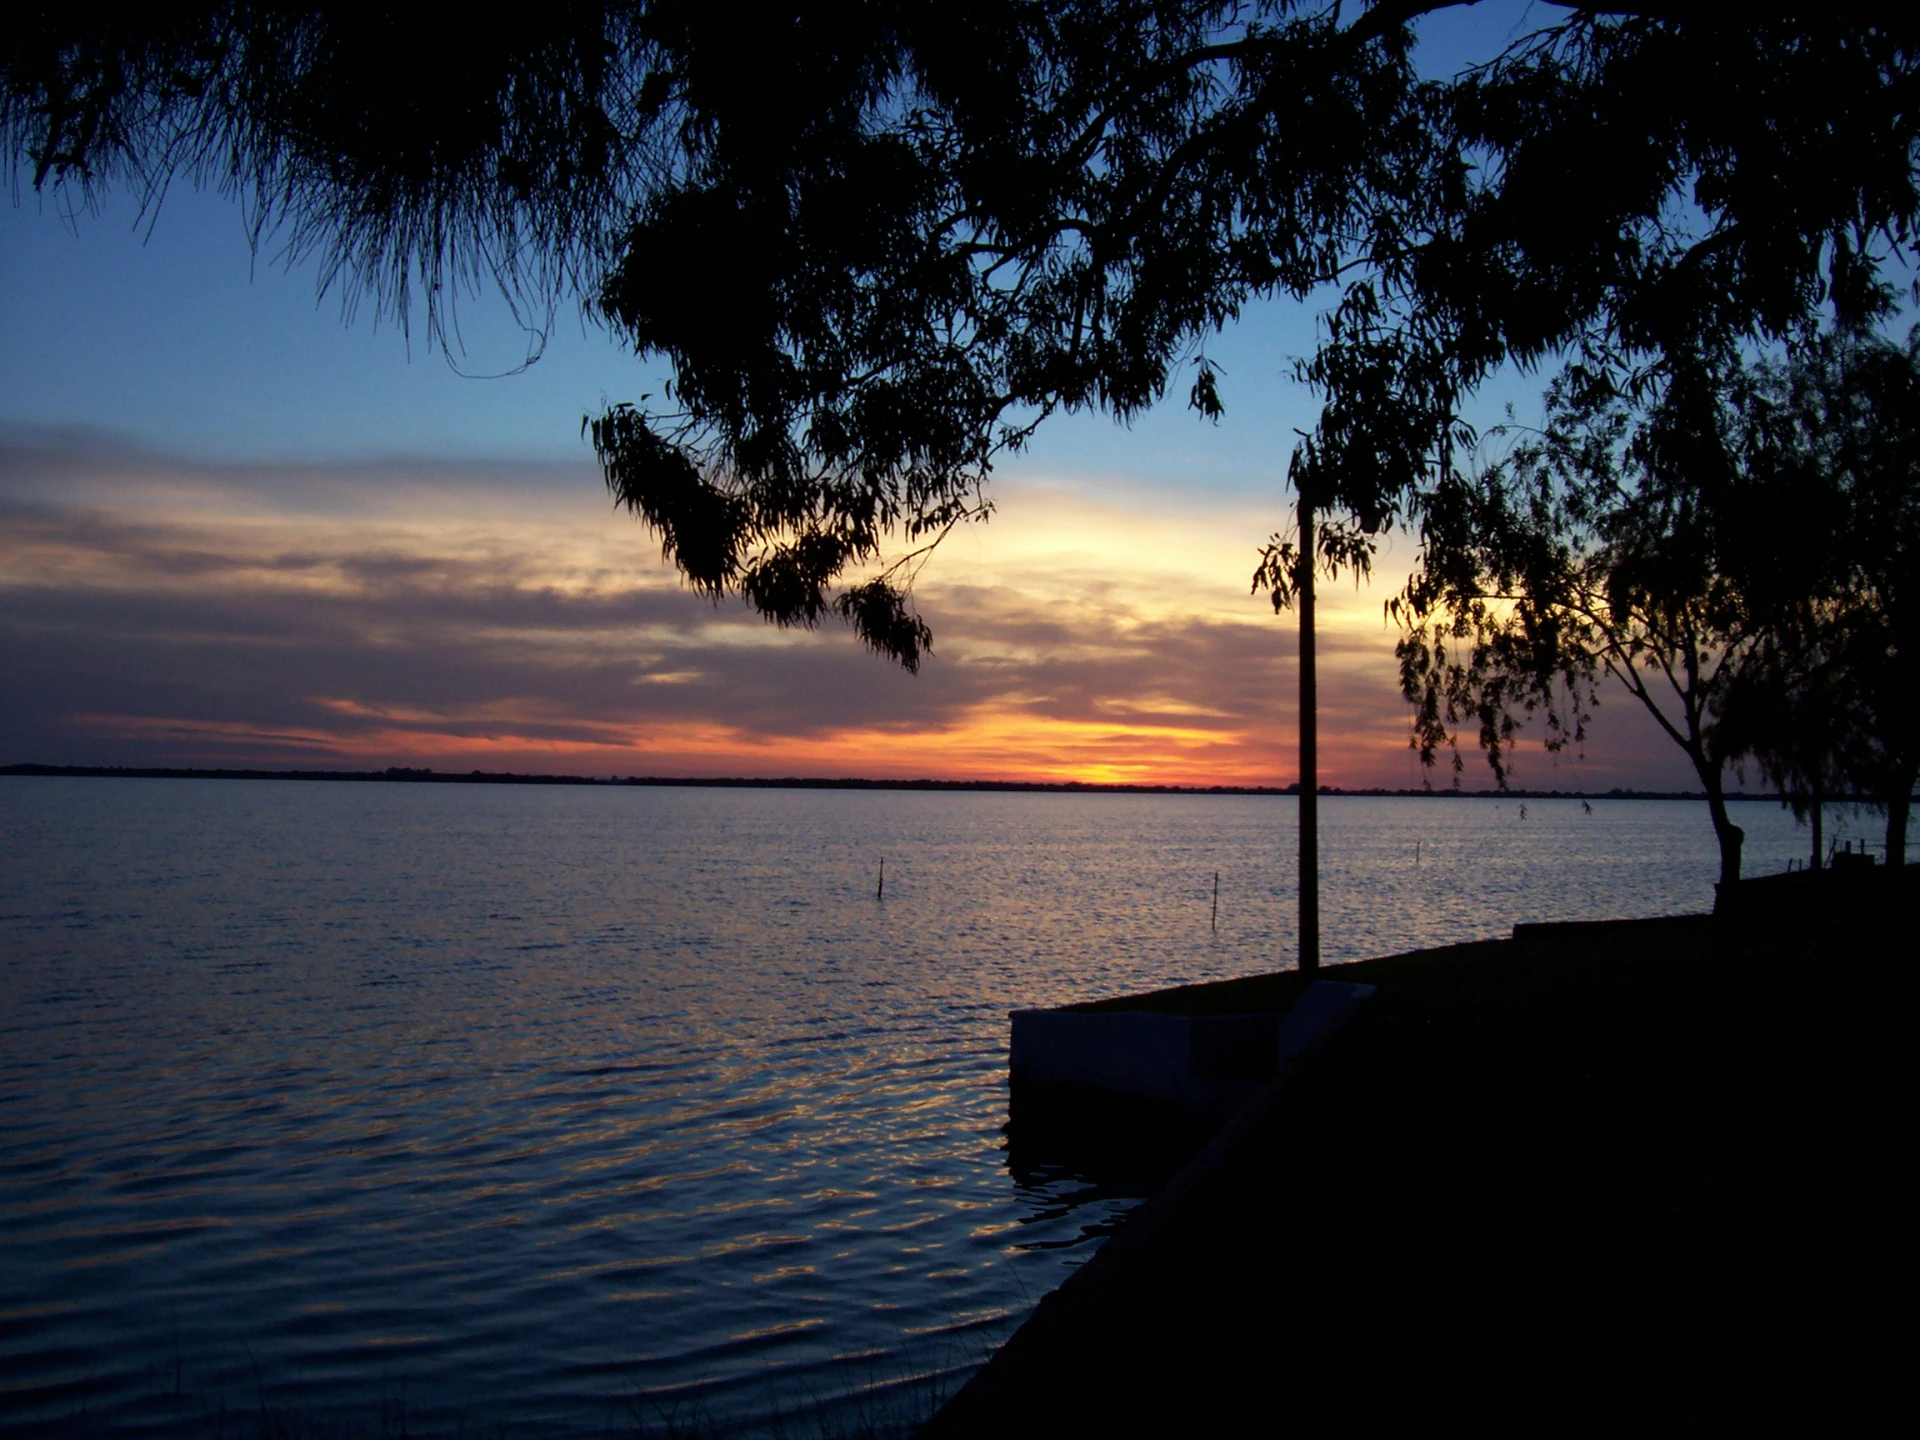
x,y
1216,902
881,892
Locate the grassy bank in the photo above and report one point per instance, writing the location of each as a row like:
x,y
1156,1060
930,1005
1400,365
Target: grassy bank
x,y
1653,1169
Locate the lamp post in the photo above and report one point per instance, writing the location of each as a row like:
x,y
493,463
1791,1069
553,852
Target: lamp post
x,y
1309,750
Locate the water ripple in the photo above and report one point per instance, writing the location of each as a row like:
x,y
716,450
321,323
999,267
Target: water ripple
x,y
530,1105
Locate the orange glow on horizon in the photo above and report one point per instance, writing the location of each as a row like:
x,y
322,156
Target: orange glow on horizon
x,y
1093,634
993,744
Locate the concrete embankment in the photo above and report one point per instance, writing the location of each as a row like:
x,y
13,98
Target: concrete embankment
x,y
1651,1168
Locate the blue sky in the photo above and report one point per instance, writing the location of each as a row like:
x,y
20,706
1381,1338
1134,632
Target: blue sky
x,y
215,371
168,328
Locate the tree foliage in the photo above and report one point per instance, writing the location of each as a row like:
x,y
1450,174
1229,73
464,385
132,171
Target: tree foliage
x,y
1619,542
1736,548
1836,706
878,243
414,159
1044,211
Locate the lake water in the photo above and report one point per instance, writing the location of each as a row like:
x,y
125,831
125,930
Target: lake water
x,y
551,1107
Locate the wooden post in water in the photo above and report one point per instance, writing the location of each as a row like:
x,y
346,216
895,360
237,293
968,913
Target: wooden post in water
x,y
1215,926
881,892
1309,751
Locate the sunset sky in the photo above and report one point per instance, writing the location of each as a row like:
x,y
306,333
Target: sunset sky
x,y
235,530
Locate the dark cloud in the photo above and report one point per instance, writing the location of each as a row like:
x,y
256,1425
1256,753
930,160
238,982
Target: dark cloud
x,y
157,612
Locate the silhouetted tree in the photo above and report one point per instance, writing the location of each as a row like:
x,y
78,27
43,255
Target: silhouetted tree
x,y
1838,428
879,244
1057,209
413,158
1791,711
1736,549
1607,545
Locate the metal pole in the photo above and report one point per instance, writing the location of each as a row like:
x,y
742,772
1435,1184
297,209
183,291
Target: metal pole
x,y
1309,753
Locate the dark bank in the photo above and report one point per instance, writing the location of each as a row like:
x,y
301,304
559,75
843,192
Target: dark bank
x,y
1588,1170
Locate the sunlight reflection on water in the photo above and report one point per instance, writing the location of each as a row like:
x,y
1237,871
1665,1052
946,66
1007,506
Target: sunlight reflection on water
x,y
537,1104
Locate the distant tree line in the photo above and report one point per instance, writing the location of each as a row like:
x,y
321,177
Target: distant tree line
x,y
413,775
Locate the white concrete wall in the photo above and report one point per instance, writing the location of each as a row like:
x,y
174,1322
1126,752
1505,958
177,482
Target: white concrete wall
x,y
1137,1052
1130,1052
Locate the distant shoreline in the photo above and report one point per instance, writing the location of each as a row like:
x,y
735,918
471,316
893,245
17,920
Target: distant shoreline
x,y
405,775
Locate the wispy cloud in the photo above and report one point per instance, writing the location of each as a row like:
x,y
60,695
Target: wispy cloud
x,y
156,611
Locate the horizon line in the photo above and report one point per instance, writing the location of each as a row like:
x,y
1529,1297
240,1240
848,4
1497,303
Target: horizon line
x,y
419,775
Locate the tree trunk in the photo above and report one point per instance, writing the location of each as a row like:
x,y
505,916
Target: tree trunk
x,y
1898,804
1819,825
1730,835
1309,753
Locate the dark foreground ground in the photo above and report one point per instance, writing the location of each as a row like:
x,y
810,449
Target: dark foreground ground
x,y
1657,1172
